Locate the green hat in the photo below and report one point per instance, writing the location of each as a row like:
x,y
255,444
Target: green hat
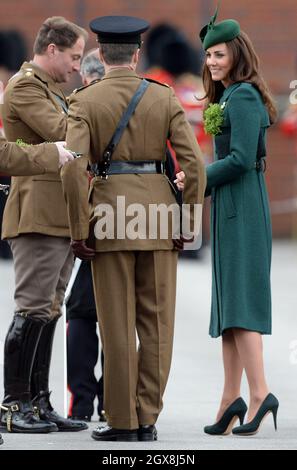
x,y
224,31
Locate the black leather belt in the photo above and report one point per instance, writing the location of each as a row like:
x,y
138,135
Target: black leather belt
x,y
129,167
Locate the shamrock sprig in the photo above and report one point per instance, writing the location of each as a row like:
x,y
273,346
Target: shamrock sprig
x,y
214,118
21,143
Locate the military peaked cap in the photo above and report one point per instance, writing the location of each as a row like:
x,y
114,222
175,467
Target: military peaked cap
x,y
119,29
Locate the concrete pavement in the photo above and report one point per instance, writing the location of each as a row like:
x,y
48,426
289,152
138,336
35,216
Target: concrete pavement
x,y
196,379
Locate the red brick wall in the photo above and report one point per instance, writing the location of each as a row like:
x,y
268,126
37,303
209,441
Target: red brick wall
x,y
271,24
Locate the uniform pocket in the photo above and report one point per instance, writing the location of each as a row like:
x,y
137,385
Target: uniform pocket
x,y
49,204
228,202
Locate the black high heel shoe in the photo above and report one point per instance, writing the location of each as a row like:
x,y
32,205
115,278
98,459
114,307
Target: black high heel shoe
x,y
269,405
235,411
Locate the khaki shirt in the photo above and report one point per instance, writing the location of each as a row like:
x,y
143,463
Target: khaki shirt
x,y
32,111
94,113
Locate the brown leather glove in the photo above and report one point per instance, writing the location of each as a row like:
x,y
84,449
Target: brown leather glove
x,y
81,250
179,242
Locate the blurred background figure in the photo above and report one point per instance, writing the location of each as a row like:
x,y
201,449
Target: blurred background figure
x,y
157,38
91,68
172,59
288,123
82,338
83,348
13,52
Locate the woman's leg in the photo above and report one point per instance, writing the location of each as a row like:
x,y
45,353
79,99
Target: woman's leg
x,y
233,369
250,347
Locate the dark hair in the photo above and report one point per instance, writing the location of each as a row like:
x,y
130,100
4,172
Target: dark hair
x,y
59,31
245,68
118,54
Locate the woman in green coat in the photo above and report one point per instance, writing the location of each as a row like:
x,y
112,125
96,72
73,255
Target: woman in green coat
x,y
240,111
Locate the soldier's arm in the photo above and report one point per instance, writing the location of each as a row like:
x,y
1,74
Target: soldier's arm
x,y
32,160
30,102
74,174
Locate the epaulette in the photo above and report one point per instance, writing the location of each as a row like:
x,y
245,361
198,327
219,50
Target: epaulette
x,y
27,72
76,90
156,81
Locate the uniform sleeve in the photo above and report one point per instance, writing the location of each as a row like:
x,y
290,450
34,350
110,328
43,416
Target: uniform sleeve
x,y
188,154
74,175
26,161
245,119
30,102
78,132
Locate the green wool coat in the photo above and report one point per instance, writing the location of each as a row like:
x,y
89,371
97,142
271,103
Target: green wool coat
x,y
240,220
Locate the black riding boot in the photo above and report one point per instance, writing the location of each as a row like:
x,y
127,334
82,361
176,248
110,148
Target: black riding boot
x,y
17,413
39,382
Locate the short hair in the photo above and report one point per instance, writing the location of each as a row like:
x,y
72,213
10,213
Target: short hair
x,y
118,54
59,31
91,65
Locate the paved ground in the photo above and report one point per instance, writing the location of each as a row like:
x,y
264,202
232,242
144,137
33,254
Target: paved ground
x,y
195,383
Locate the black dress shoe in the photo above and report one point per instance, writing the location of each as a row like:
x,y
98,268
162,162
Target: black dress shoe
x,y
85,418
47,413
108,433
147,432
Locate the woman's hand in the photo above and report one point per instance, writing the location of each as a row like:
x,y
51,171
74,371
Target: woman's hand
x,y
179,181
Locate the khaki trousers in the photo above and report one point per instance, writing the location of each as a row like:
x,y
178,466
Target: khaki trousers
x,y
135,291
42,266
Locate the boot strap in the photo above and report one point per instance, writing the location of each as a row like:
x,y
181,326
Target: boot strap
x,y
10,409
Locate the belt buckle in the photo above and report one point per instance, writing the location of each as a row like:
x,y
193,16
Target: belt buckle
x,y
4,188
104,176
104,170
260,165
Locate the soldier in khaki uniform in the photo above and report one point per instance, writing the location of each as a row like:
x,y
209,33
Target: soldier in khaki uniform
x,y
41,159
35,223
134,279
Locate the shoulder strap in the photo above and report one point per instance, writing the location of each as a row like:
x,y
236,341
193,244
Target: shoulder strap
x,y
107,154
61,102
